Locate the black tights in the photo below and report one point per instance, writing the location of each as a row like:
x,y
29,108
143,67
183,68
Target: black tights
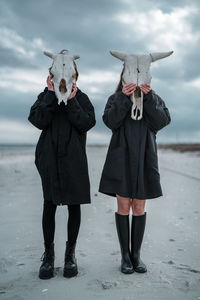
x,y
48,222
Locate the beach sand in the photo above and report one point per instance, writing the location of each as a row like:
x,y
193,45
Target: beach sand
x,y
170,248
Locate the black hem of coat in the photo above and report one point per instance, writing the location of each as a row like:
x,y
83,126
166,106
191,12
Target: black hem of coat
x,y
113,194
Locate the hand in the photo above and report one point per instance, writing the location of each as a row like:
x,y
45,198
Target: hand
x,y
129,88
145,88
73,92
50,83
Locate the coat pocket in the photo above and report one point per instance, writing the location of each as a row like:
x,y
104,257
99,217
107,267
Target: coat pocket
x,y
114,164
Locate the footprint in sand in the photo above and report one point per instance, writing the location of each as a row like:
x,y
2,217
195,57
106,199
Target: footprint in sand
x,y
117,252
182,267
82,254
102,284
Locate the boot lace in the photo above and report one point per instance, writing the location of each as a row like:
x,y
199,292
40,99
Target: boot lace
x,y
46,256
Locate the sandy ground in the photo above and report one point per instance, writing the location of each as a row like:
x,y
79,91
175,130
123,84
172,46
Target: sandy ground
x,y
170,248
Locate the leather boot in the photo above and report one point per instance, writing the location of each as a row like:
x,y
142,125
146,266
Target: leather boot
x,y
137,232
122,224
70,265
47,267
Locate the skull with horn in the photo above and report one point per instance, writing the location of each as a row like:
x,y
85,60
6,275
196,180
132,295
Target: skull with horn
x,y
137,70
64,73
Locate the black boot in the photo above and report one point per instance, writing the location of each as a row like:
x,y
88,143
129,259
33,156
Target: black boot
x,y
122,224
137,232
70,266
47,267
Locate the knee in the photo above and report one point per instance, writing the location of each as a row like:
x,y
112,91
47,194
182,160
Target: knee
x,y
124,209
138,208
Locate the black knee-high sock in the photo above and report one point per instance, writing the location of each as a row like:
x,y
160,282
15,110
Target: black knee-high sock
x,y
48,222
74,221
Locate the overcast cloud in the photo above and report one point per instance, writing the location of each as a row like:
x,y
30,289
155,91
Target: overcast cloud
x,y
91,28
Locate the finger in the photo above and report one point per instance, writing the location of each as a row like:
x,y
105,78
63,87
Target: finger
x,y
146,85
144,89
49,79
130,85
132,89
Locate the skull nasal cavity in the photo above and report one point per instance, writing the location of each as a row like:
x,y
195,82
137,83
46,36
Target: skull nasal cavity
x,y
62,86
137,92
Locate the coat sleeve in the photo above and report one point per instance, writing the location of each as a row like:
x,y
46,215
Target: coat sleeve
x,y
81,113
156,114
116,109
42,111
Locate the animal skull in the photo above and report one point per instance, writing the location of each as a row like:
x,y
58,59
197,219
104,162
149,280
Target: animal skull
x,y
64,75
137,70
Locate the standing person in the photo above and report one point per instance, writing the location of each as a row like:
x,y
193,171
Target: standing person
x,y
61,160
130,171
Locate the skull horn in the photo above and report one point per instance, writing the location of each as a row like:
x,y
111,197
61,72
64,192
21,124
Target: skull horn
x,y
64,51
76,57
118,54
49,54
159,55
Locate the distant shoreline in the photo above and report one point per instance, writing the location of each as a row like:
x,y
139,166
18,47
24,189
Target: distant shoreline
x,y
182,147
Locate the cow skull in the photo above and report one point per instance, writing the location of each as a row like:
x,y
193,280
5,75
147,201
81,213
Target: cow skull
x,y
137,70
64,75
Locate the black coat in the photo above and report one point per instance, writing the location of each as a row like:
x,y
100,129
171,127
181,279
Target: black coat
x,y
60,154
131,165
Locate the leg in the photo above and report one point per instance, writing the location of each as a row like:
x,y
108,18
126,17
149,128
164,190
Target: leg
x,y
48,224
74,221
137,232
73,225
123,205
123,231
138,207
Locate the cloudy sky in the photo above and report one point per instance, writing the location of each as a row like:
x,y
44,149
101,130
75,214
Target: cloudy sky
x,y
91,28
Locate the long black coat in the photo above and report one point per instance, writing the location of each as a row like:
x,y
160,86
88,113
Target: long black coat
x,y
131,165
60,154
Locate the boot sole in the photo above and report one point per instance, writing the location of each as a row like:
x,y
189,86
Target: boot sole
x,y
70,273
46,276
127,272
140,271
